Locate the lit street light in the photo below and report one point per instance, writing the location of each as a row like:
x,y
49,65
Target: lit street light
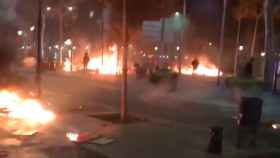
x,y
241,48
20,32
48,8
178,48
68,42
70,9
156,48
32,28
91,14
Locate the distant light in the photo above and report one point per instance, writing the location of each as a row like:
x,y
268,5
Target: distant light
x,y
210,43
177,13
156,48
22,47
276,126
56,46
32,28
178,48
91,14
167,57
68,42
263,54
186,57
74,47
50,47
87,47
241,48
48,8
70,8
20,32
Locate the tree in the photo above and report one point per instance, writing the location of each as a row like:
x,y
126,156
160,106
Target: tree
x,y
240,12
257,13
270,56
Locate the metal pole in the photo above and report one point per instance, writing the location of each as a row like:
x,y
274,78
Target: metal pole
x,y
236,55
38,76
124,85
61,32
102,37
222,42
182,43
71,58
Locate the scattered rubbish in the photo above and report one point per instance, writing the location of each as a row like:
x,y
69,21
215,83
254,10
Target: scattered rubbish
x,y
103,141
80,137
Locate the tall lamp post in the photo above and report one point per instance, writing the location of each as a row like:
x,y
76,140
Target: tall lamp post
x,y
222,42
182,43
124,84
38,76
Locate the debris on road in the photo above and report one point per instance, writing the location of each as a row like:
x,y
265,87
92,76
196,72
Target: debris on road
x,y
81,137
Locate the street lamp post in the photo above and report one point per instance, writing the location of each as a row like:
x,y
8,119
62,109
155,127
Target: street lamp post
x,y
60,12
182,38
124,84
39,55
222,42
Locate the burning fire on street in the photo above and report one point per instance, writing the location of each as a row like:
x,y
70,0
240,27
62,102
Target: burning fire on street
x,y
107,65
205,68
20,115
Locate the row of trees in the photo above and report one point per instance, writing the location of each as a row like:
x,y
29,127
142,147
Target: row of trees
x,y
258,10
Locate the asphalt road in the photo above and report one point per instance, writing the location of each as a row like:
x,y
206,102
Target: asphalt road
x,y
178,123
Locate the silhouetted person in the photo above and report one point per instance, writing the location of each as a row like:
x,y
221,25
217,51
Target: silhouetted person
x,y
86,61
195,64
248,70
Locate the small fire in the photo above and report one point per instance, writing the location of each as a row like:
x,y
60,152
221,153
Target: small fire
x,y
29,111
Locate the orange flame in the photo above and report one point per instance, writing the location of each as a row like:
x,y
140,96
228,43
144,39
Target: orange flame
x,y
203,69
27,110
109,65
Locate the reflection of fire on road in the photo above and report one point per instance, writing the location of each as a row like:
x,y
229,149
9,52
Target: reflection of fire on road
x,y
67,65
109,65
18,114
204,68
29,62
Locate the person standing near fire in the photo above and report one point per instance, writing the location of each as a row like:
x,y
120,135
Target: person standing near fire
x,y
86,61
195,64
